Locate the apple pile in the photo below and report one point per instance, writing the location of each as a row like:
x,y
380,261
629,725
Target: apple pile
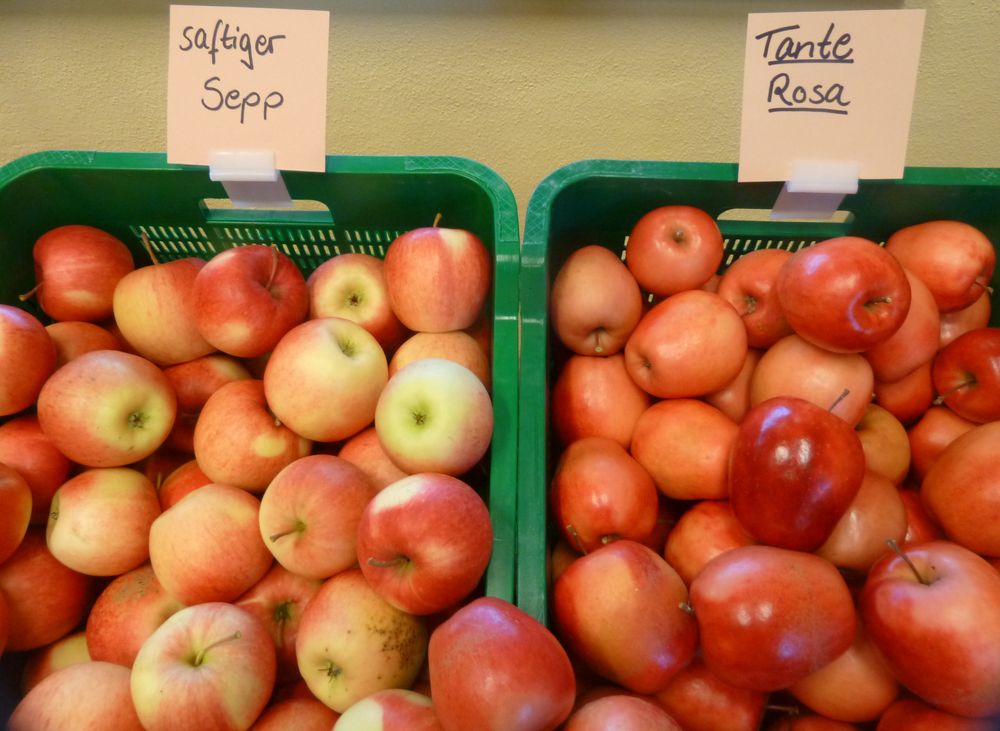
x,y
235,497
778,487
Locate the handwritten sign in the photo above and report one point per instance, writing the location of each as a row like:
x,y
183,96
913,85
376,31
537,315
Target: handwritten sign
x,y
828,87
247,79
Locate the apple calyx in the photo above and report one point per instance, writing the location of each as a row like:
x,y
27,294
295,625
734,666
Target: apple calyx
x,y
30,293
137,420
297,528
200,657
891,542
751,303
686,607
391,563
331,669
678,236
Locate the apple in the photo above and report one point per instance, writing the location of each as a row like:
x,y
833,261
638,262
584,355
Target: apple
x,y
931,610
193,382
324,379
620,711
27,359
809,722
73,338
365,452
955,260
749,286
733,399
768,617
25,448
600,494
684,445
352,643
930,436
154,310
959,322
352,286
15,507
637,635
68,650
492,665
920,526
207,547
561,555
456,345
690,344
703,531
395,709
4,623
424,542
673,248
915,342
184,479
238,441
77,268
885,442
207,666
300,714
911,714
437,278
909,397
99,521
595,397
434,415
966,375
87,695
700,701
309,515
107,408
595,302
794,470
247,297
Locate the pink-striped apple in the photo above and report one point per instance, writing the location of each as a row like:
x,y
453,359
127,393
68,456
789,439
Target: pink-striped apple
x,y
456,345
194,382
27,359
364,451
620,711
184,479
396,709
300,714
27,449
15,507
73,338
68,650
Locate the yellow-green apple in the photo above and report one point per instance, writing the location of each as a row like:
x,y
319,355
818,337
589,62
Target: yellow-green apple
x,y
620,711
309,515
352,286
424,542
909,397
638,635
915,342
962,490
68,650
733,399
966,375
886,444
15,507
494,666
76,270
396,709
278,601
434,415
595,397
690,344
207,547
875,515
25,448
126,613
673,248
154,310
107,408
684,445
705,530
184,479
959,322
954,259
239,441
595,302
839,382
437,278
856,687
300,714
931,610
324,378
749,286
911,714
795,469
27,359
599,494
920,526
99,521
930,436
456,345
768,617
247,298
207,666
193,382
74,337
352,643
701,701
86,696
45,599
364,451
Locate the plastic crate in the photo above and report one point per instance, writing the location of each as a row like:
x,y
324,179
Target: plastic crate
x,y
365,203
598,202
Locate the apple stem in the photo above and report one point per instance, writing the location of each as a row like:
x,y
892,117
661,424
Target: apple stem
x,y
297,528
30,293
891,542
843,394
598,348
274,267
437,220
380,564
149,248
944,396
792,710
685,606
883,300
576,538
200,657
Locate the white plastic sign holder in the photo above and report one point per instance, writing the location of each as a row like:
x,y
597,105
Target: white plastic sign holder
x,y
816,189
250,178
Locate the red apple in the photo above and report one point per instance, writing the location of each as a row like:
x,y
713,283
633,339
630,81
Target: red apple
x,y
68,650
620,711
365,452
15,507
73,338
920,526
959,322
909,397
911,714
749,286
300,714
595,302
915,342
396,709
674,248
193,382
929,437
186,478
700,701
492,665
705,530
456,345
967,375
26,448
27,358
733,399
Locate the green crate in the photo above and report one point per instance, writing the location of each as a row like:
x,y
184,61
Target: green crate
x,y
598,202
365,203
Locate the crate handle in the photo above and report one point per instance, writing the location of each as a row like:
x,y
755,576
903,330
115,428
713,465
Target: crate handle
x,y
764,215
303,211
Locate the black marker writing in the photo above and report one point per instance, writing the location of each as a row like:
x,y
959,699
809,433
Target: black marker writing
x,y
235,100
222,38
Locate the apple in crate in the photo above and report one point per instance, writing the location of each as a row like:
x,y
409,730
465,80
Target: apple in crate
x,y
25,448
915,342
300,714
364,451
701,701
456,345
74,338
194,382
620,711
749,286
15,507
959,322
396,709
674,248
207,666
966,375
68,650
703,531
27,358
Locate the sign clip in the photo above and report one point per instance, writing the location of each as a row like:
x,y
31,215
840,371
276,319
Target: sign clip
x,y
250,178
816,189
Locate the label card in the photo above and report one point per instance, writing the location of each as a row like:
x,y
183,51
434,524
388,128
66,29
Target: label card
x,y
248,79
828,87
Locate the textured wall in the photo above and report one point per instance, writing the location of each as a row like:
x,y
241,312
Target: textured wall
x,y
524,86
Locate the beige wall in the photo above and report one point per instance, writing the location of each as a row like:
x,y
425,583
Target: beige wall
x,y
522,86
